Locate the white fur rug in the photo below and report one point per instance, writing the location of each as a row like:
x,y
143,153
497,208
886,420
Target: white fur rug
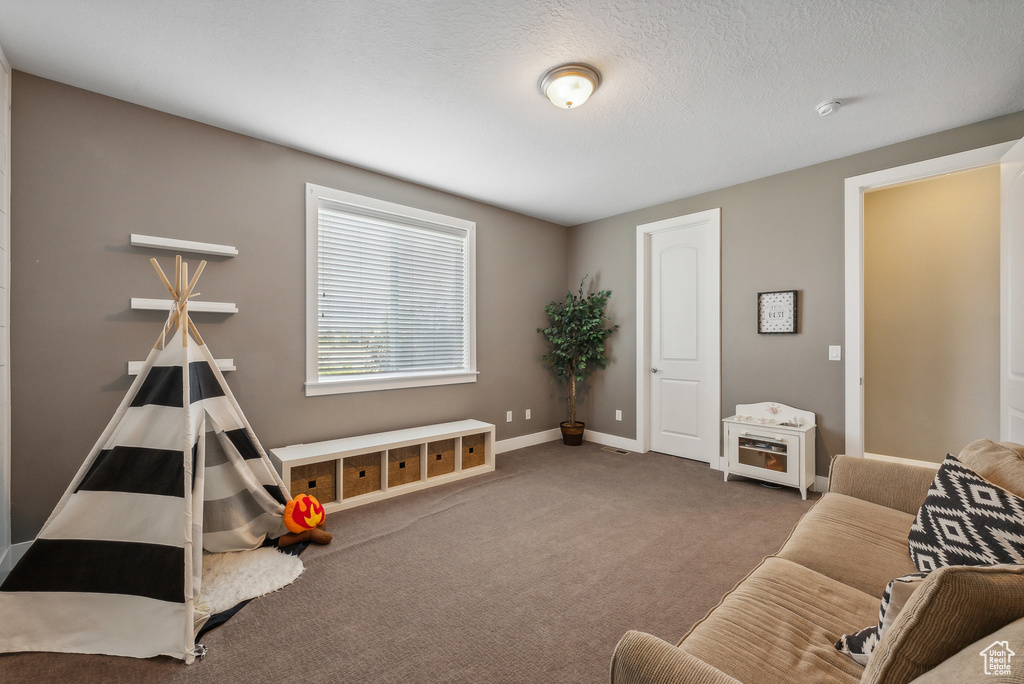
x,y
230,578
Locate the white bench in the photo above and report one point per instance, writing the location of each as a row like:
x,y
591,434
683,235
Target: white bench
x,y
342,473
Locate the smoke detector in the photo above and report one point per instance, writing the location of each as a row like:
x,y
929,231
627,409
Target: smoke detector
x,y
828,107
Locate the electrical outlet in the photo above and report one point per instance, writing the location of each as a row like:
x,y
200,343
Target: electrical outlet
x,y
508,416
618,414
527,414
835,352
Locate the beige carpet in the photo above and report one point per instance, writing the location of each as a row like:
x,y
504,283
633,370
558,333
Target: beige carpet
x,y
529,574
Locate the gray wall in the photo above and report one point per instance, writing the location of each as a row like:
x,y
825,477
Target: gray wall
x,y
784,232
89,170
931,315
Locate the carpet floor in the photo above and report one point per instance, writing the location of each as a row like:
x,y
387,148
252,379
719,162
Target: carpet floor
x,y
528,574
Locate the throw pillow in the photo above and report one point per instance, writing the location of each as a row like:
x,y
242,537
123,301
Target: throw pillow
x,y
966,520
859,645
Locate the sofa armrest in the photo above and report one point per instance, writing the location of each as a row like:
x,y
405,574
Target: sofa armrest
x,y
641,658
894,485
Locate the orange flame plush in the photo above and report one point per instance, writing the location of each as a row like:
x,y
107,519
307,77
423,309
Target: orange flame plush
x,y
302,513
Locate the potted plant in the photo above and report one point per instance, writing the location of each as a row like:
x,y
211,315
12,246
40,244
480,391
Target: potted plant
x,y
577,334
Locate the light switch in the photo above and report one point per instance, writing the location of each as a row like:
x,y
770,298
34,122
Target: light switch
x,y
835,352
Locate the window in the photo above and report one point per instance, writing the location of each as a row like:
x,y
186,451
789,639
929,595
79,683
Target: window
x,y
390,295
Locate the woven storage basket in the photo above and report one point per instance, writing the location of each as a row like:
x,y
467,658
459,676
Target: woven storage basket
x,y
317,480
472,451
360,475
440,457
403,465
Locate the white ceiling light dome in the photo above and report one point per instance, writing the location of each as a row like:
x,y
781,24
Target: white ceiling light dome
x,y
570,85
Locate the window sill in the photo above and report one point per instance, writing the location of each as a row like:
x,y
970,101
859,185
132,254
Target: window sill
x,y
319,388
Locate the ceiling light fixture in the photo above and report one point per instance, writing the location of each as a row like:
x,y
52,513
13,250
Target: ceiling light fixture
x,y
568,86
828,107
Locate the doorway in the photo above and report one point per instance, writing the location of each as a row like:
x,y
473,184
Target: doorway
x,y
931,314
679,336
855,189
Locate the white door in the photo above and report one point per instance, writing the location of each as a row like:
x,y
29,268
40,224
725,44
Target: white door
x,y
684,340
1011,422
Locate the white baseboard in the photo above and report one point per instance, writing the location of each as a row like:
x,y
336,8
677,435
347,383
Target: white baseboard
x,y
601,438
906,461
610,440
503,445
820,484
11,558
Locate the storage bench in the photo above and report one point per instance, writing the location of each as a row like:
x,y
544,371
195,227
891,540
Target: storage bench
x,y
351,471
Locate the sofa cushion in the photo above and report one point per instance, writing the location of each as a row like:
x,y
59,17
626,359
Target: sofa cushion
x,y
860,645
860,544
954,607
779,624
969,664
966,520
1001,464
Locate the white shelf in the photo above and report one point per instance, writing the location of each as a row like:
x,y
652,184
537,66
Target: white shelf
x,y
175,245
143,304
337,450
225,365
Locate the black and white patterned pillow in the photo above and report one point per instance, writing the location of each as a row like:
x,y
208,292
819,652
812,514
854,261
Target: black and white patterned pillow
x,y
860,645
966,520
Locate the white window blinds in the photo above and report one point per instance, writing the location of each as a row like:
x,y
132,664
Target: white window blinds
x,y
393,296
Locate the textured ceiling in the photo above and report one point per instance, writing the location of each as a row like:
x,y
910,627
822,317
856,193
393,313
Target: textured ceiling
x,y
696,95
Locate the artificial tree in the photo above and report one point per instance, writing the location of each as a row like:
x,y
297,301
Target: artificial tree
x,y
577,333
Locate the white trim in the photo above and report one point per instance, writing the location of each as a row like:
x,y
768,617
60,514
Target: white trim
x,y
854,299
820,484
523,441
615,441
174,244
146,304
643,233
13,555
5,312
346,386
373,207
905,461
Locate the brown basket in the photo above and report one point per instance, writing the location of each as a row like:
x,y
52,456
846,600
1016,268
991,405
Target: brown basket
x,y
317,480
403,465
360,475
472,451
440,457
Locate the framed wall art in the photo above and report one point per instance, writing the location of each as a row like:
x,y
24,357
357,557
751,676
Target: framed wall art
x,y
776,312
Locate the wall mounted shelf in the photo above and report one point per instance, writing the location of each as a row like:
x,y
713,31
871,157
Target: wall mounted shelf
x,y
144,304
175,245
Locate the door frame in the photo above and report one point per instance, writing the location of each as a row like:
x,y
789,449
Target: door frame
x,y
644,231
856,186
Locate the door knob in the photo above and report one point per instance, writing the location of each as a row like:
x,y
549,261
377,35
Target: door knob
x,y
654,370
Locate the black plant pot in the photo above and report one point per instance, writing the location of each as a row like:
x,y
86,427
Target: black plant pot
x,y
572,435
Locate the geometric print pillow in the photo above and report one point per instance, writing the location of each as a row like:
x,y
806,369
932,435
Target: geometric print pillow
x,y
859,645
966,520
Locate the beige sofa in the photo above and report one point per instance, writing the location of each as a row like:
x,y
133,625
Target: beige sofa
x,y
780,623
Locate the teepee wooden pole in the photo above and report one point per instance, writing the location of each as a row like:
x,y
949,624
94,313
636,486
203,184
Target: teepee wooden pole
x,y
183,303
195,278
163,277
177,276
195,333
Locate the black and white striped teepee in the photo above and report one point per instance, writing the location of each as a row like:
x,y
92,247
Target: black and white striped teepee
x,y
117,568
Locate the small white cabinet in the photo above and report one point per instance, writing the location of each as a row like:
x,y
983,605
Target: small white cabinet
x,y
771,442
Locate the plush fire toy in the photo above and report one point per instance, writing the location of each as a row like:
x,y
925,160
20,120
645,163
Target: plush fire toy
x,y
304,517
303,512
